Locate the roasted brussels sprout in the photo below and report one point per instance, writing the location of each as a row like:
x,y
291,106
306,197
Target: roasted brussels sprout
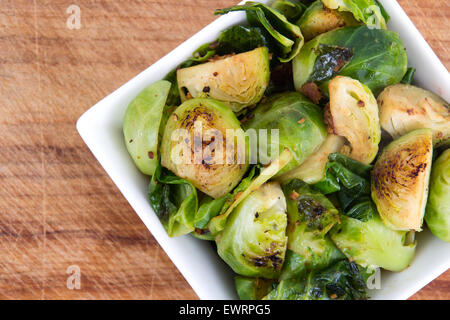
x,y
254,240
299,124
376,58
353,114
310,216
252,288
313,169
437,213
319,19
141,125
400,180
366,11
371,244
239,80
194,146
404,108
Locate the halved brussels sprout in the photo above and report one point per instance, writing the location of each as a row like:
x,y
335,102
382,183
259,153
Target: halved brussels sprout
x,y
366,11
254,240
319,19
404,108
400,180
345,52
197,147
310,216
239,80
353,114
141,125
437,213
371,244
298,123
313,169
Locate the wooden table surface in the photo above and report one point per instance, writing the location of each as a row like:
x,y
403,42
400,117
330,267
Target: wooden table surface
x,y
58,208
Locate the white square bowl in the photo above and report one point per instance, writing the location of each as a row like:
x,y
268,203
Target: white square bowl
x,y
101,129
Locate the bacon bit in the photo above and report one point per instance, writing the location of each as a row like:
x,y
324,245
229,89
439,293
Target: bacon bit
x,y
333,296
206,89
301,121
361,104
150,155
410,111
312,92
294,195
215,74
188,96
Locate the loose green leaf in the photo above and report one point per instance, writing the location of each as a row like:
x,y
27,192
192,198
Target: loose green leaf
x,y
174,201
341,281
409,76
252,288
288,36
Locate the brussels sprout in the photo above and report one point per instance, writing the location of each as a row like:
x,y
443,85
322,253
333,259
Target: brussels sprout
x,y
353,114
437,213
404,108
366,11
206,160
318,19
286,35
371,244
342,281
310,216
254,240
141,125
313,169
239,80
376,58
218,223
252,288
400,180
298,123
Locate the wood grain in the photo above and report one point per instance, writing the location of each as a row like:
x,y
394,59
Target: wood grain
x,y
57,206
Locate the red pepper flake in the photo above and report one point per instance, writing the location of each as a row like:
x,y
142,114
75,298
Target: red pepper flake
x,y
333,296
294,195
150,154
301,121
361,104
